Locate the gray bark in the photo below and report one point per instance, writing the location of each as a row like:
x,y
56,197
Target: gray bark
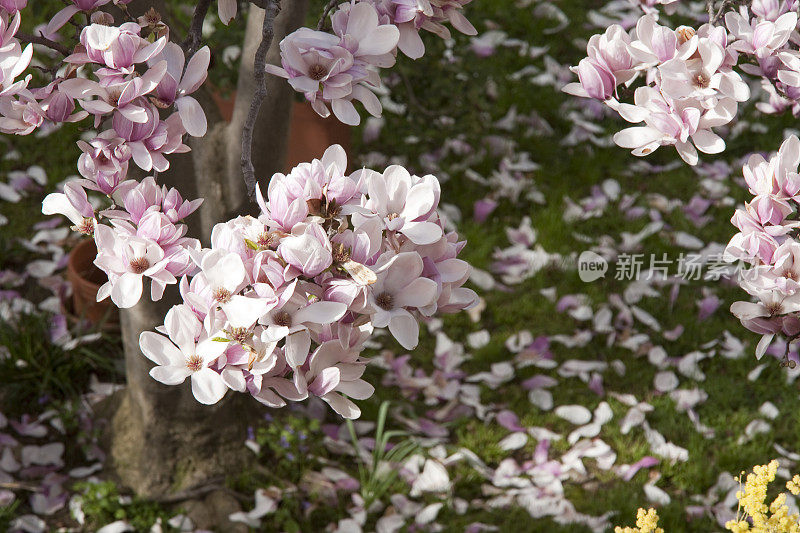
x,y
162,440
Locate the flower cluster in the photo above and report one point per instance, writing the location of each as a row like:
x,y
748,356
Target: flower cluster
x,y
758,517
646,522
13,62
339,67
690,85
126,82
765,241
281,305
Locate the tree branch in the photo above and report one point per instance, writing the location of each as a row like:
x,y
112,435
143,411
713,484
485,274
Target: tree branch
x,y
786,361
714,18
44,41
328,8
192,42
260,75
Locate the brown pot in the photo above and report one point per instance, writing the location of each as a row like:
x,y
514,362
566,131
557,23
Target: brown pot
x,y
86,279
310,135
224,104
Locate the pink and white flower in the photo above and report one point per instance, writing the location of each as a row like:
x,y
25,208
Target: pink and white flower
x,y
399,288
189,352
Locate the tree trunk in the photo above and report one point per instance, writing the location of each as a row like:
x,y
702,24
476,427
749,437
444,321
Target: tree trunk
x,y
162,440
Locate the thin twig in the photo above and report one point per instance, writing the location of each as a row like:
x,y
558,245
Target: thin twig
x,y
44,41
11,485
785,361
726,4
192,42
328,8
412,98
260,75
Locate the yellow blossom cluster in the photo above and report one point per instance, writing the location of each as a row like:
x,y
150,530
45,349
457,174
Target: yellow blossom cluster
x,y
646,522
758,517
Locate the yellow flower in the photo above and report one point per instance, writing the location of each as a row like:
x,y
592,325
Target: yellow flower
x,y
754,514
646,522
763,518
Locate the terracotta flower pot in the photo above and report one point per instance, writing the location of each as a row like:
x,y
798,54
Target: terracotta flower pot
x,y
310,135
224,103
86,279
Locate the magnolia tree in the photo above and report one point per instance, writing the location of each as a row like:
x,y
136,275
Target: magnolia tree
x,y
280,305
686,80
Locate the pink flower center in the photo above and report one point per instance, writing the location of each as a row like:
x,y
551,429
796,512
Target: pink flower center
x,y
266,239
701,81
317,72
139,265
340,253
385,301
240,335
113,96
282,318
222,295
194,363
86,227
684,33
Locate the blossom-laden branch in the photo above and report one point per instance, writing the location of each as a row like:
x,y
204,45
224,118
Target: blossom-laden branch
x,y
280,306
339,68
687,81
260,75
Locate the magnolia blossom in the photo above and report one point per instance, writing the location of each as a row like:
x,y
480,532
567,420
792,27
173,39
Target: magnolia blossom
x,y
181,80
690,83
149,140
119,48
224,274
405,203
334,370
123,96
307,249
337,69
672,123
13,5
188,352
73,204
126,260
411,16
399,287
760,38
610,63
766,241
